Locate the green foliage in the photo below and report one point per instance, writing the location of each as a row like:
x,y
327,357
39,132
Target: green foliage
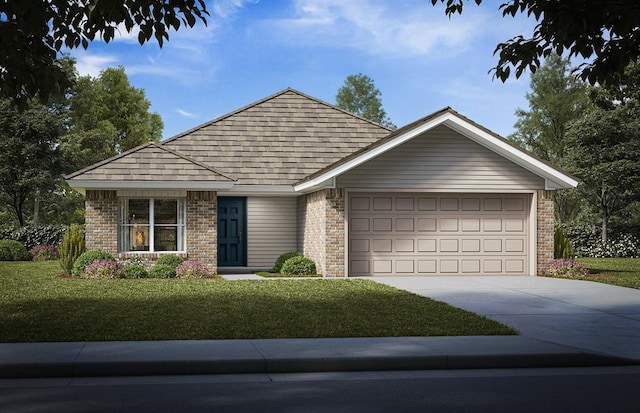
x,y
30,159
359,95
134,271
71,247
107,116
601,28
32,236
87,258
102,270
162,271
171,260
13,251
34,33
298,265
277,267
562,246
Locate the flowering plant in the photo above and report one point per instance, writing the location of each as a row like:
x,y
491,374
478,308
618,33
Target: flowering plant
x,y
192,269
44,253
567,267
102,269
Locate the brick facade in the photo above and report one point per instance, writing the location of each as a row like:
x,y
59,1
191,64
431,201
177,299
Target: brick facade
x,y
101,217
545,230
324,231
202,228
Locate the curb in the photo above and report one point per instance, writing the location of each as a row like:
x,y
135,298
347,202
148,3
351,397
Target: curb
x,y
102,359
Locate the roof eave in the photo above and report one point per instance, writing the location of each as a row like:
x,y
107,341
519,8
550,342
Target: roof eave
x,y
82,185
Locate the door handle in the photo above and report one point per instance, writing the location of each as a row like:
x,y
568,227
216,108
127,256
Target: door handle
x,y
239,236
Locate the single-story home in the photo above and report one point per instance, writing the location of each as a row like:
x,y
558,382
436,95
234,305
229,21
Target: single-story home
x,y
442,195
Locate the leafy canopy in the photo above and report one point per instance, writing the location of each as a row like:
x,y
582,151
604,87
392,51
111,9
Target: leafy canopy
x,y
33,32
606,30
359,95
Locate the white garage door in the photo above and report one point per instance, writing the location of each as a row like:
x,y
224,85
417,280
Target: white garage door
x,y
438,234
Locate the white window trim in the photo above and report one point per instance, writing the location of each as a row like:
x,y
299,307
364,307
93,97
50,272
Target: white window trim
x,y
122,225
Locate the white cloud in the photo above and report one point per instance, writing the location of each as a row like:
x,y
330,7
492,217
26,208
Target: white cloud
x,y
227,8
378,27
186,114
92,65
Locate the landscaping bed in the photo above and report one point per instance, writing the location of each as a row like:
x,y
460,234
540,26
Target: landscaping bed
x,y
36,304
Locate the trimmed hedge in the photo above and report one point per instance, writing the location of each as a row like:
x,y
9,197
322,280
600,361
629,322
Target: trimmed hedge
x,y
31,236
298,265
171,260
277,267
162,271
87,258
11,250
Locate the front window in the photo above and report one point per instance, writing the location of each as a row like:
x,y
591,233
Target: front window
x,y
152,225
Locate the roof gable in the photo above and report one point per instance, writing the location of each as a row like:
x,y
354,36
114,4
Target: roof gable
x,y
554,178
150,162
278,140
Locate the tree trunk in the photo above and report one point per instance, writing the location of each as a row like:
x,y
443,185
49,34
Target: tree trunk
x,y
605,222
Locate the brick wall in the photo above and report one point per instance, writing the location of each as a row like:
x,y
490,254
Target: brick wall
x,y
202,228
324,231
101,219
545,229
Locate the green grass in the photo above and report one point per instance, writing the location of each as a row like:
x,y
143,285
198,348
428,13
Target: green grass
x,y
38,305
624,272
267,274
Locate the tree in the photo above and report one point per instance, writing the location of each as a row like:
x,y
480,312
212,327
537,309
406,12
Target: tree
x,y
30,159
606,29
556,99
107,116
358,95
605,148
34,32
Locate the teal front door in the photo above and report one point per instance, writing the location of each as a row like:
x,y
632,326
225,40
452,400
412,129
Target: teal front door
x,y
232,236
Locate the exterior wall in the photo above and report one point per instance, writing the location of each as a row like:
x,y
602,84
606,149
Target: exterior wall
x,y
301,213
101,219
324,231
202,228
441,159
545,230
315,229
271,229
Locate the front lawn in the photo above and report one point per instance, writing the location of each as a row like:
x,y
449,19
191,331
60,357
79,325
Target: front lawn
x,y
624,272
38,305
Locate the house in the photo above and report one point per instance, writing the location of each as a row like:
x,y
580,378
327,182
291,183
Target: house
x,y
442,195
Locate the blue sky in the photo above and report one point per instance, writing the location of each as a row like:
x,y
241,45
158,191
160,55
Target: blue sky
x,y
419,59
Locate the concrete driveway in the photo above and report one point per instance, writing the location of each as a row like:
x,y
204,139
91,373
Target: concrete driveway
x,y
583,314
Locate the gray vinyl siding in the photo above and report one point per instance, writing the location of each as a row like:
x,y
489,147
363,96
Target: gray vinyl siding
x,y
440,159
302,213
271,229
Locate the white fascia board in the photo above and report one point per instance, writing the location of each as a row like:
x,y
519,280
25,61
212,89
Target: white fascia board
x,y
359,160
521,158
84,184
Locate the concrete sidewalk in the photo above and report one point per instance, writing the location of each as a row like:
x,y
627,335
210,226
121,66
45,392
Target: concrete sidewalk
x,y
98,359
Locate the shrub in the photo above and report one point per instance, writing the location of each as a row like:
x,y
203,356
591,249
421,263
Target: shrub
x,y
44,253
102,270
625,246
192,269
137,260
71,247
162,271
562,246
134,271
171,260
32,236
567,267
11,250
277,267
87,258
298,265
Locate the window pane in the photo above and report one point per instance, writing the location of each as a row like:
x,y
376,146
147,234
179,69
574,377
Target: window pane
x,y
165,239
138,211
165,211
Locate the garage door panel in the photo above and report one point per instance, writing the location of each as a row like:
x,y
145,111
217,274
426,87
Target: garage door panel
x,y
438,234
